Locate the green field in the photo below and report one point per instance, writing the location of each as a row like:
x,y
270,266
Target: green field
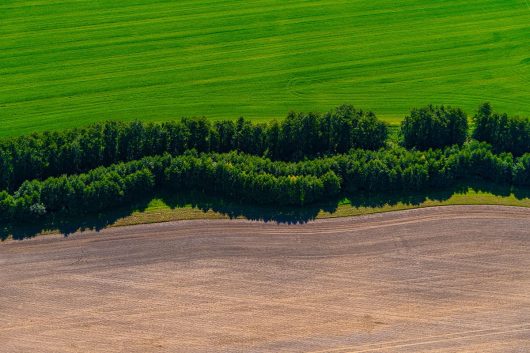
x,y
69,62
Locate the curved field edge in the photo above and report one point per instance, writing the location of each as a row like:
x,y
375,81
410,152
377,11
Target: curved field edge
x,y
160,210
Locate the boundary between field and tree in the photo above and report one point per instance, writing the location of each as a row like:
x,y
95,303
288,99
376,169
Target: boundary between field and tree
x,y
308,166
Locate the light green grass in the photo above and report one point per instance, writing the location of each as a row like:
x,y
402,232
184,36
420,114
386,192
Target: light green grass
x,y
64,63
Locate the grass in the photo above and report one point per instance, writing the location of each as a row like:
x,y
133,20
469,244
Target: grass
x,y
64,63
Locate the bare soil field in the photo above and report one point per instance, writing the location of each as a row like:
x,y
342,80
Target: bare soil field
x,y
447,279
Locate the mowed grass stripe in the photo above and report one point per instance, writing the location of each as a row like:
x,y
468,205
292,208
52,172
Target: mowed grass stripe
x,y
107,40
221,50
67,63
144,71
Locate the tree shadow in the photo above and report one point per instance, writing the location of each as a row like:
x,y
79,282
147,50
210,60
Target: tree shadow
x,y
380,200
67,225
231,209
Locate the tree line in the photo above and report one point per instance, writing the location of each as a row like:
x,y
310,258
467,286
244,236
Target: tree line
x,y
299,136
260,180
303,159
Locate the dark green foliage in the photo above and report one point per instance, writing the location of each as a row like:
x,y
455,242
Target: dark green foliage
x,y
300,136
503,132
262,181
224,139
434,127
338,131
304,159
94,191
521,171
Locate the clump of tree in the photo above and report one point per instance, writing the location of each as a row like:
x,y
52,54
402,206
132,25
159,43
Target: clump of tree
x,y
230,176
262,181
434,127
299,136
308,135
503,132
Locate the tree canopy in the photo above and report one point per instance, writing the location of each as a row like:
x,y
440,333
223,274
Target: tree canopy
x,y
434,127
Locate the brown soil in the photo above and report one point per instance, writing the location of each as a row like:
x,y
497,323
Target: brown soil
x,y
449,279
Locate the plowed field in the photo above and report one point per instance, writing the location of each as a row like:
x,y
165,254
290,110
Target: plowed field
x,y
450,279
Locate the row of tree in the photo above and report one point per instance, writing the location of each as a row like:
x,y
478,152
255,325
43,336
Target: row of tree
x,y
112,186
259,180
299,136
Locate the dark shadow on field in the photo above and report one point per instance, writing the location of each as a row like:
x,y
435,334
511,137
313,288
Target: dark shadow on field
x,y
297,215
67,225
287,215
379,200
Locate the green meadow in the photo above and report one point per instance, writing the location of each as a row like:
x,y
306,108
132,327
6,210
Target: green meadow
x,y
65,63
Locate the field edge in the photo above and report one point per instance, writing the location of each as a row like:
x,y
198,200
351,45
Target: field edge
x,y
164,213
